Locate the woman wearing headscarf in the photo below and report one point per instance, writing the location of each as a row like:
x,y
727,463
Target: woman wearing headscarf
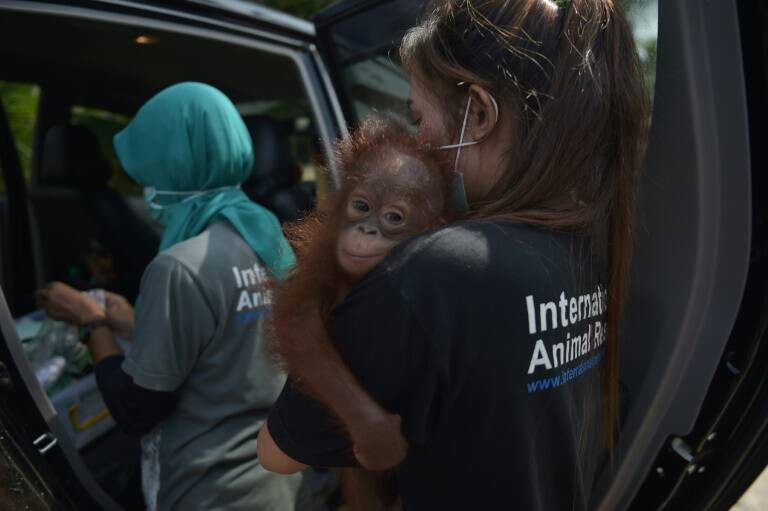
x,y
196,384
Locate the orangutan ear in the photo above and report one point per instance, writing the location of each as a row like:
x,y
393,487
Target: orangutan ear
x,y
483,113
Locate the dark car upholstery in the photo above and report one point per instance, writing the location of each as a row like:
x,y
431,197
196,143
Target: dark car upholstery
x,y
75,215
274,182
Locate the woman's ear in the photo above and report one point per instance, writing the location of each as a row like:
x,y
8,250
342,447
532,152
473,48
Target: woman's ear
x,y
483,113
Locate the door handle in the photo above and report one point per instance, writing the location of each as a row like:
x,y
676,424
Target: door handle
x,y
45,442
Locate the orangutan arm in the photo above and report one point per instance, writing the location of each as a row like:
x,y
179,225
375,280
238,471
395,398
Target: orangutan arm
x,y
320,371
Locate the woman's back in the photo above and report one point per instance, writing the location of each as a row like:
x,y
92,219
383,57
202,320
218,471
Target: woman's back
x,y
494,341
470,334
511,408
199,326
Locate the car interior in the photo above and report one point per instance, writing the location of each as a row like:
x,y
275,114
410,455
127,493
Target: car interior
x,y
68,212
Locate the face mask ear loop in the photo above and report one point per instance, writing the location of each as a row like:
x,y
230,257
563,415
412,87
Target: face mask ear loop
x,y
191,194
461,136
212,190
149,197
495,109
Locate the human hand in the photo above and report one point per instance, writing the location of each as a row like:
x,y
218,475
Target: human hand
x,y
67,304
119,315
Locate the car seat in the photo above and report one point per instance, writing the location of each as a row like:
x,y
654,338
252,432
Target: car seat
x,y
74,215
275,178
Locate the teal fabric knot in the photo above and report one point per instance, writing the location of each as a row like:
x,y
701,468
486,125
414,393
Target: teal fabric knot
x,y
562,4
190,138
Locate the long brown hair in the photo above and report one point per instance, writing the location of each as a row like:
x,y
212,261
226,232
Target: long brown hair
x,y
569,75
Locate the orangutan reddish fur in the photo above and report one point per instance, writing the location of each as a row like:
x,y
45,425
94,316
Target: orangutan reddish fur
x,y
304,302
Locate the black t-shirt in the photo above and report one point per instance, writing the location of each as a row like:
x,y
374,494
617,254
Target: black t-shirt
x,y
486,337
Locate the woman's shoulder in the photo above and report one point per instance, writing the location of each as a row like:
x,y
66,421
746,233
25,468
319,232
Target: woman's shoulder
x,y
480,246
471,259
218,244
217,256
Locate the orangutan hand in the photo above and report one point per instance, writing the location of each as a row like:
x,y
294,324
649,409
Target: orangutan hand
x,y
382,446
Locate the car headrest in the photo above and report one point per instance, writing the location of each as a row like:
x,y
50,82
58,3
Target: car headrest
x,y
72,157
273,165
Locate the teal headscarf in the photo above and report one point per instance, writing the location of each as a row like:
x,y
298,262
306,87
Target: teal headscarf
x,y
190,138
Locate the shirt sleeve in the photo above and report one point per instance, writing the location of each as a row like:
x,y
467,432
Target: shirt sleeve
x,y
382,342
173,323
135,409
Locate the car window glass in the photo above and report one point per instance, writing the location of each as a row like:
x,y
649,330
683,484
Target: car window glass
x,y
105,125
365,46
295,121
644,17
21,101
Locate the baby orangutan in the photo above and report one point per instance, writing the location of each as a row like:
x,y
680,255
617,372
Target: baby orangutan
x,y
392,189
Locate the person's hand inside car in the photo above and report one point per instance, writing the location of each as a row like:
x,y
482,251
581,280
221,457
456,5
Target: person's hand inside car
x,y
65,303
119,315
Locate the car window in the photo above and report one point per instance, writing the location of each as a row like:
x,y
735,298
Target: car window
x,y
644,17
365,47
21,101
105,125
296,122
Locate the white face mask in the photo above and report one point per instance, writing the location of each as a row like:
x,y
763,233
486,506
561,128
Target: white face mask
x,y
459,191
160,212
150,193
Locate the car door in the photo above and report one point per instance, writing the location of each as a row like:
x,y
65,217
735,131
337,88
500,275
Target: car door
x,y
694,325
42,463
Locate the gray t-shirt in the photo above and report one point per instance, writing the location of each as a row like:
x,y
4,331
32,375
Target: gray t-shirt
x,y
199,330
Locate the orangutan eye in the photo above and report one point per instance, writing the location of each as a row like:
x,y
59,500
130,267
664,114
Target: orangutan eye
x,y
393,217
361,205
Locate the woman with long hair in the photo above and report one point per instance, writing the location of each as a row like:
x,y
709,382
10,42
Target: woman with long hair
x,y
497,338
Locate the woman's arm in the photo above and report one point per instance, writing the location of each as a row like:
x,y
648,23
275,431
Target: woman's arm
x,y
101,343
272,457
65,303
136,410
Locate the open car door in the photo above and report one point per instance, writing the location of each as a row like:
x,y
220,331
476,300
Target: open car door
x,y
51,474
358,40
42,467
693,354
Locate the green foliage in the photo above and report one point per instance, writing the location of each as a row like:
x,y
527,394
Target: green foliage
x,y
20,102
649,64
